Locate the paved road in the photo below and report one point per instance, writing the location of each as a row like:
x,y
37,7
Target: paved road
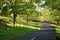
x,y
46,33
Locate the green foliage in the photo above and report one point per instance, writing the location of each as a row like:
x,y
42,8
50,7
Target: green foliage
x,y
18,6
56,16
25,7
55,9
54,4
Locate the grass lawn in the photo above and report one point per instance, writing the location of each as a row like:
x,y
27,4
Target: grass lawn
x,y
57,30
9,31
5,34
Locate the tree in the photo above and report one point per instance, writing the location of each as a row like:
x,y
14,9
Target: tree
x,y
55,9
56,16
54,4
18,7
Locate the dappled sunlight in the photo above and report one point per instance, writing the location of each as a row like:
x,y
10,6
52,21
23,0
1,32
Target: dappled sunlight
x,y
3,17
21,25
58,29
19,17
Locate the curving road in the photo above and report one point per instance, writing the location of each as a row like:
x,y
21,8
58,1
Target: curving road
x,y
46,33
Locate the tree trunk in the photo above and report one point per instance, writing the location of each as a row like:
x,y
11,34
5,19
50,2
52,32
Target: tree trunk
x,y
14,18
27,19
57,22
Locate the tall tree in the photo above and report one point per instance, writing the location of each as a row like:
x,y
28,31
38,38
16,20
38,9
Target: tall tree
x,y
18,7
55,9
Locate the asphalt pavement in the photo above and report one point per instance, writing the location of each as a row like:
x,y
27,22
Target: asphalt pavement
x,y
46,33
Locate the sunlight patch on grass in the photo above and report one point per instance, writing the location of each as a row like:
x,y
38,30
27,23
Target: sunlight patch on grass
x,y
21,25
57,29
53,25
3,17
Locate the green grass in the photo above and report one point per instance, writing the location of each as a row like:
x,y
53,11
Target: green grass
x,y
8,31
13,31
57,29
29,23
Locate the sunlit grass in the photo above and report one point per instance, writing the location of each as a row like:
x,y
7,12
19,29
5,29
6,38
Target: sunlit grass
x,y
12,32
57,29
26,26
21,27
29,23
8,31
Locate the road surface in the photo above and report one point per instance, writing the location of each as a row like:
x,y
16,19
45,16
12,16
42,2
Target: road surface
x,y
46,33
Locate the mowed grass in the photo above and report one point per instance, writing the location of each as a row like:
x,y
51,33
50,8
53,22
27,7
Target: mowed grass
x,y
29,23
8,31
58,30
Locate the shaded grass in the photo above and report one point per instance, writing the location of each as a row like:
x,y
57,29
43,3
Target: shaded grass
x,y
58,30
13,31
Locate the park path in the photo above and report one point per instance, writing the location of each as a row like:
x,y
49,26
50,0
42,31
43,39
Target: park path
x,y
46,33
